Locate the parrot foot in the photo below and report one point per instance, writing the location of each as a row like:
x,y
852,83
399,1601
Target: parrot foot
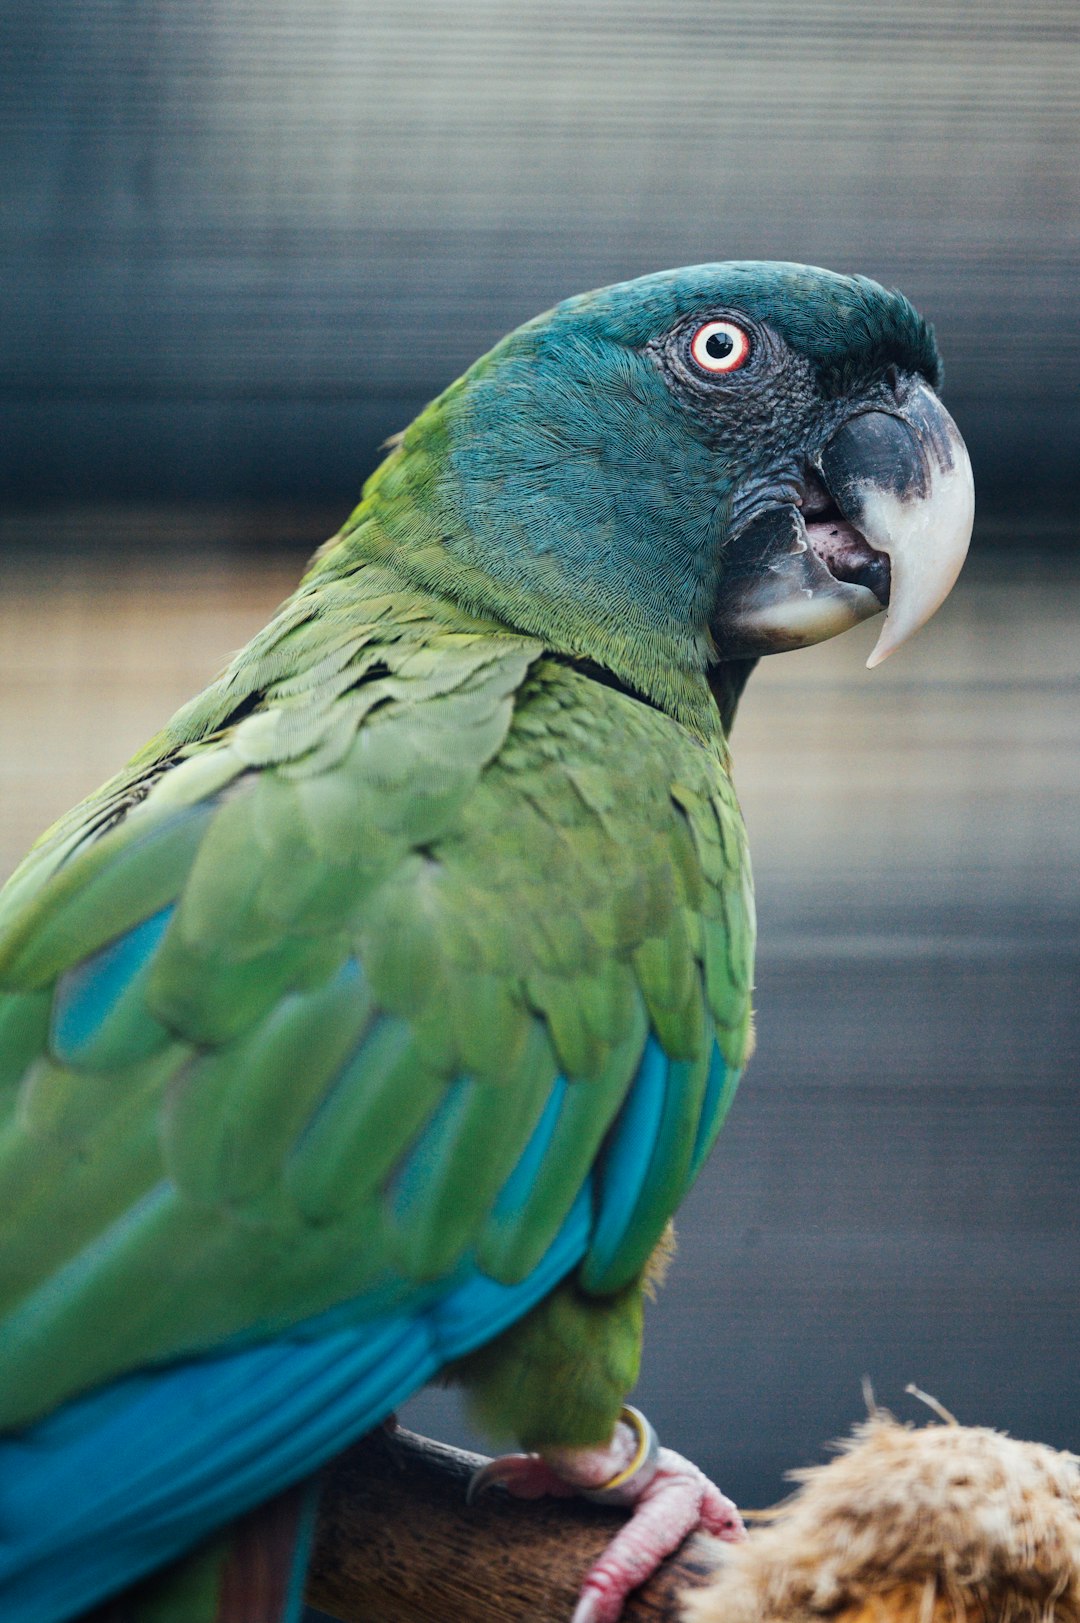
x,y
667,1495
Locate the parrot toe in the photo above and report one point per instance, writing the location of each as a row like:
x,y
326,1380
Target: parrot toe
x,y
677,1500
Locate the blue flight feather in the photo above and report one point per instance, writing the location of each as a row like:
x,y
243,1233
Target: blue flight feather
x,y
412,1180
301,1558
515,1192
88,995
628,1153
719,1092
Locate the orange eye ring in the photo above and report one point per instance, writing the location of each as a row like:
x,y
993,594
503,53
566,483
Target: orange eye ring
x,y
719,347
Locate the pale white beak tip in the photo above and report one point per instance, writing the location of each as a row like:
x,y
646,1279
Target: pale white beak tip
x,y
888,642
926,540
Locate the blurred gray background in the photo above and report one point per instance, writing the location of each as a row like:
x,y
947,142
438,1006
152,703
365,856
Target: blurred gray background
x,y
243,242
243,239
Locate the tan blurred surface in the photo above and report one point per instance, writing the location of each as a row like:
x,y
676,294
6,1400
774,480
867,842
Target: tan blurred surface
x,y
95,655
963,748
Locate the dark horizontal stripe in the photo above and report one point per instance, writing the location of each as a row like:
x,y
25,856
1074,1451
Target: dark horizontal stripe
x,y
222,223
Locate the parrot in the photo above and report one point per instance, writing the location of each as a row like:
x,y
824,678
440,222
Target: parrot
x,y
370,1025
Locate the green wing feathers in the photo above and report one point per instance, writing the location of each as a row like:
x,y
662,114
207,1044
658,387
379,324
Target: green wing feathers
x,y
344,871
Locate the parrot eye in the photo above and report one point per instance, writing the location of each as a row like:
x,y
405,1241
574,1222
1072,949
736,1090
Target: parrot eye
x,y
720,346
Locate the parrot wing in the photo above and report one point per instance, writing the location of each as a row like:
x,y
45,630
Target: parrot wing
x,y
378,994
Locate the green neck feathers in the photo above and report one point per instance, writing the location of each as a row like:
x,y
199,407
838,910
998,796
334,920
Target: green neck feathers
x,y
508,562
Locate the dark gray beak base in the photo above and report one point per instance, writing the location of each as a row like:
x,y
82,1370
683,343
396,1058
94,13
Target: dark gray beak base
x,y
887,527
779,594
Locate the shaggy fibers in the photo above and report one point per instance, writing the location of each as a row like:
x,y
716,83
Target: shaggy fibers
x,y
941,1524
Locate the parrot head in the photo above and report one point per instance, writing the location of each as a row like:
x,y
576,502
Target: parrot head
x,y
700,466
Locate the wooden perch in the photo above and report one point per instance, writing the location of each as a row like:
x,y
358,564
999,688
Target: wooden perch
x,y
397,1544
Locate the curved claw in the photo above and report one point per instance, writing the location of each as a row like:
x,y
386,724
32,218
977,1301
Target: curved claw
x,y
488,1476
719,1515
526,1476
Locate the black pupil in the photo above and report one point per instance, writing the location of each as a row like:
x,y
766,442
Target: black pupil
x,y
719,344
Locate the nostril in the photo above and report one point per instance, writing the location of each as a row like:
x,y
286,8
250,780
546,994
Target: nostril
x,y
894,382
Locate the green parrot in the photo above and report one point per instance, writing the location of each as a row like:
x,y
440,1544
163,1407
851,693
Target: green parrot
x,y
373,1021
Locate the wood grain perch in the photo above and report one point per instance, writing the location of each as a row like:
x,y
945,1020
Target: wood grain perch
x,y
396,1544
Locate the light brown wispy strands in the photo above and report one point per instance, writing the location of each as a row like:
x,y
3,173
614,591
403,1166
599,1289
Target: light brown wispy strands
x,y
944,1524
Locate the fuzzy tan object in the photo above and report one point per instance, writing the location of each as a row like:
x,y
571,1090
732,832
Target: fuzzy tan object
x,y
943,1524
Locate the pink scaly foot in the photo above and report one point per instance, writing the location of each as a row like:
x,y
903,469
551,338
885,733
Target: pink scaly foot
x,y
677,1501
669,1498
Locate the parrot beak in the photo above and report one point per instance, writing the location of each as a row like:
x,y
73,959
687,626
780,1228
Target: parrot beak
x,y
884,523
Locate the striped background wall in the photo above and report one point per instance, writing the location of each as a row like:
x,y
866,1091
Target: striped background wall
x,y
242,240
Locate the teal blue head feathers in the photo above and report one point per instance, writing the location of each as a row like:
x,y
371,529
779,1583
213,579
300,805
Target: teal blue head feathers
x,y
603,481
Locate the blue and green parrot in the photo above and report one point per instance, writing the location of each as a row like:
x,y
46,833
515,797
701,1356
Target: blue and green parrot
x,y
371,1024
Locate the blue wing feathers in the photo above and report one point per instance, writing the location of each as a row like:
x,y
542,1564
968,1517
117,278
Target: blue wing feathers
x,y
647,1164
